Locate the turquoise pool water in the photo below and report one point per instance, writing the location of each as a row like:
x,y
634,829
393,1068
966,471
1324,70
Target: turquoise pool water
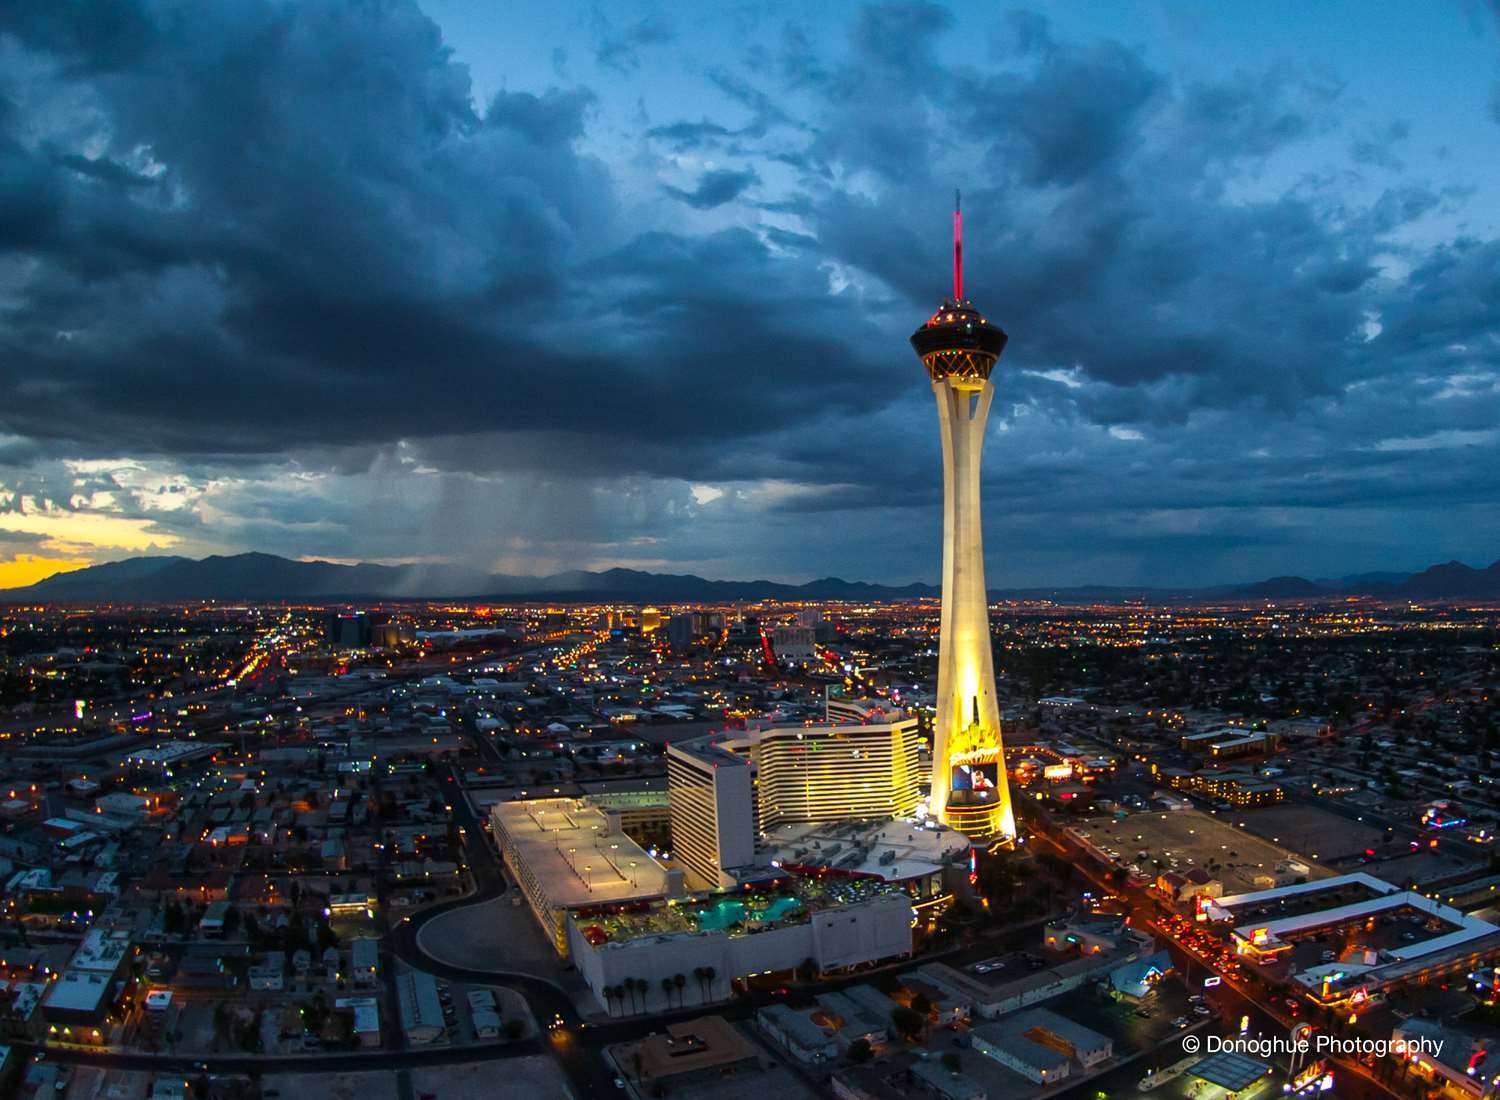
x,y
726,914
780,908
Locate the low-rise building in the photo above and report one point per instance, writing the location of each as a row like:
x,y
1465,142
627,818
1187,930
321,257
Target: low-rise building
x,y
364,960
686,1053
366,1014
1041,1045
269,975
484,1016
1184,886
806,1039
1136,980
421,1009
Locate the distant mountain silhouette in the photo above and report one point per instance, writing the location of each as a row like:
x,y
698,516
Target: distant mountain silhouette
x,y
256,577
1285,588
267,578
1452,580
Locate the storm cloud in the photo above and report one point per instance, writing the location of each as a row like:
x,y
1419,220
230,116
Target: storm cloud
x,y
284,276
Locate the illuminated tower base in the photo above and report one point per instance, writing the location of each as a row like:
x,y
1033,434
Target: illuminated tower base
x,y
970,792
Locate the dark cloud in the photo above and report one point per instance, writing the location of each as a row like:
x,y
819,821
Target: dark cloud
x,y
552,120
277,254
620,48
715,188
1073,114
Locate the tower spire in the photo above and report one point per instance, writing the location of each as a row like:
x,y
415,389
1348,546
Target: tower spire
x,y
958,248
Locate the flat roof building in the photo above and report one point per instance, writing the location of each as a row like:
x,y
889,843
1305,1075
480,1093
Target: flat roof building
x,y
169,754
1462,942
567,855
421,1010
704,1049
1041,1045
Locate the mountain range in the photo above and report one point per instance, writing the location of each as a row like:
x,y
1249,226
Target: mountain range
x,y
267,578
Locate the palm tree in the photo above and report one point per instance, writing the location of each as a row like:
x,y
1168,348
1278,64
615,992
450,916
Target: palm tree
x,y
666,990
679,980
709,974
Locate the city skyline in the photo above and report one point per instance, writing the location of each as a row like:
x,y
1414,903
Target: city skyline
x,y
308,280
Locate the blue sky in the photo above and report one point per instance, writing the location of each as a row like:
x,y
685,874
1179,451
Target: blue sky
x,y
546,286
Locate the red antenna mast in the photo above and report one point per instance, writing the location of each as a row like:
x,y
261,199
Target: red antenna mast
x,y
958,249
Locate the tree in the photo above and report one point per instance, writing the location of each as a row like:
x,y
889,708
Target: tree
x,y
859,1051
679,980
221,1021
921,1005
667,985
173,919
315,1013
907,1023
887,982
327,937
706,975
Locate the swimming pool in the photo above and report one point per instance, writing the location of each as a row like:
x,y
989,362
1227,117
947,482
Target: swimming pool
x,y
728,913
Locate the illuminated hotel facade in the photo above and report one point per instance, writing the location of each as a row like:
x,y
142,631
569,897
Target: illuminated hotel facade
x,y
712,800
861,764
839,773
970,793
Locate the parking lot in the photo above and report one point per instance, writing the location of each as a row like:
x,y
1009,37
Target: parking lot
x,y
516,1021
1183,839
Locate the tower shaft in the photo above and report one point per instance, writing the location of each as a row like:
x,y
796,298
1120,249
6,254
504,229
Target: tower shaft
x,y
969,787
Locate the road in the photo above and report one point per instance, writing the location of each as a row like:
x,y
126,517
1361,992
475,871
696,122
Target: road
x,y
352,1062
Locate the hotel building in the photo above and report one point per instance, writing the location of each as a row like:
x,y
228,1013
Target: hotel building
x,y
712,801
855,769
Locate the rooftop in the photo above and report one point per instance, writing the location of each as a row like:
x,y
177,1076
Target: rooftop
x,y
78,991
1230,1071
100,951
690,1046
575,854
169,752
891,850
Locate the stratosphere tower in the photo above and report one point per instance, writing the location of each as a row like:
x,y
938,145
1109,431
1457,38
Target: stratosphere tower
x,y
970,793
